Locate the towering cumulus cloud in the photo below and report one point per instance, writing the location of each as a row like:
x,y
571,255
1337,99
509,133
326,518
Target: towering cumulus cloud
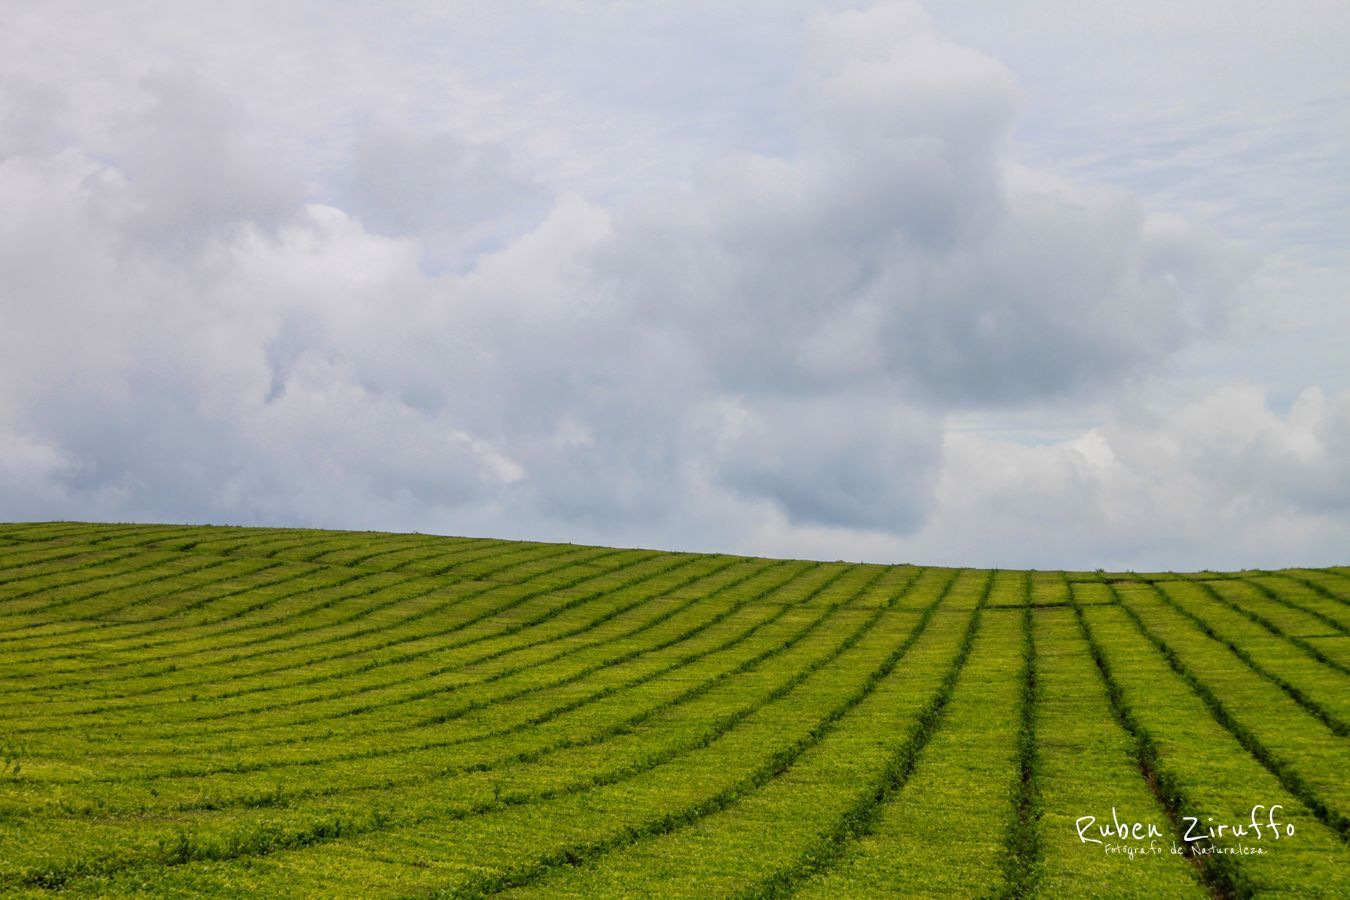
x,y
233,293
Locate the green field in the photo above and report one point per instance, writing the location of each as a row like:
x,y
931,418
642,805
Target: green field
x,y
228,711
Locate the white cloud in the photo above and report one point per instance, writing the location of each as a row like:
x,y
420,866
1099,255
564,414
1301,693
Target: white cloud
x,y
1221,482
305,278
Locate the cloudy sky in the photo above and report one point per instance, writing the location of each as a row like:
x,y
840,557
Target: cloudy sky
x,y
1065,286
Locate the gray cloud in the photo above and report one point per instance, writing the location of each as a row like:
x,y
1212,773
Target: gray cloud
x,y
194,164
899,242
460,198
32,123
864,464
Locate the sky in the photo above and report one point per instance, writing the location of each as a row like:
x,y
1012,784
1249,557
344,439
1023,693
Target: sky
x,y
1056,285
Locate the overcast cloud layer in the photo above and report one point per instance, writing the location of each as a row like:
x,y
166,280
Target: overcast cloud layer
x,y
802,279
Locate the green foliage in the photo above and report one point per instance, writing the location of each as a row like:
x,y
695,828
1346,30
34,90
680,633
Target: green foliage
x,y
284,712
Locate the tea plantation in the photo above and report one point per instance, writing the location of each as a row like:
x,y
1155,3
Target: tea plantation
x,y
189,711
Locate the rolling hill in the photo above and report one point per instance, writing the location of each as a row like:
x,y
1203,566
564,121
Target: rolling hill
x,y
190,711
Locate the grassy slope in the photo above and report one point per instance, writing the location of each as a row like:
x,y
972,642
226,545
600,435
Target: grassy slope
x,y
189,710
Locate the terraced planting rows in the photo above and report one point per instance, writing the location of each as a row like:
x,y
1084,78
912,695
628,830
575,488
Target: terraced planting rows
x,y
191,711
